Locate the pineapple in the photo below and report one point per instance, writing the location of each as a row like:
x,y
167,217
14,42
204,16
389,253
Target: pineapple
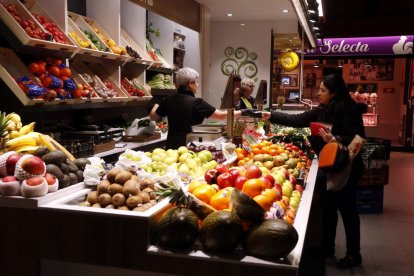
x,y
4,134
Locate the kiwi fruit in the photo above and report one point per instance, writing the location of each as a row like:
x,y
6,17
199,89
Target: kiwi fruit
x,y
133,201
96,205
153,202
136,178
65,168
85,204
124,207
130,188
114,189
73,178
65,181
103,187
150,192
145,197
110,206
122,177
147,183
118,200
104,199
112,174
92,197
141,208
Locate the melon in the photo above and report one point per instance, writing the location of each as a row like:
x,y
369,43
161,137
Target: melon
x,y
271,239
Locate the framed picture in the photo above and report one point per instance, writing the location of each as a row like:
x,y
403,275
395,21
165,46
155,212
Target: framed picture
x,y
290,80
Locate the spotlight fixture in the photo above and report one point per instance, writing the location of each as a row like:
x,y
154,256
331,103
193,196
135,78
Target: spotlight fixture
x,y
242,24
312,6
314,17
285,11
316,64
340,64
229,14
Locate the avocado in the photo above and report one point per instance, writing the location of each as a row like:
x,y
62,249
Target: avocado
x,y
55,170
73,178
64,167
79,174
65,181
245,207
40,151
56,157
81,163
72,166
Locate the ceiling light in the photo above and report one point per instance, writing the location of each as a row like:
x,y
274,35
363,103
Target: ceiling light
x,y
303,21
312,6
229,14
340,64
242,24
285,11
316,64
316,28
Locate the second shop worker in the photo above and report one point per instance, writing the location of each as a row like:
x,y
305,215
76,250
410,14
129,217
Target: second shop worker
x,y
183,109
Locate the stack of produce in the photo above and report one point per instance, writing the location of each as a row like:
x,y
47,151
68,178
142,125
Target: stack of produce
x,y
52,28
95,82
123,190
96,41
84,44
161,81
132,88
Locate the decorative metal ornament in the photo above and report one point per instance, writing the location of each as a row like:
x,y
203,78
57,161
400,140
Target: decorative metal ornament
x,y
239,61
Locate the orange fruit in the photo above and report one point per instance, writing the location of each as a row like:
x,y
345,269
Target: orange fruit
x,y
241,163
264,201
288,219
256,151
204,192
194,184
285,200
281,204
221,199
272,193
253,187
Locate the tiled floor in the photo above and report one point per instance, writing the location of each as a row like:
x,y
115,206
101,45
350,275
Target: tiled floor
x,y
387,239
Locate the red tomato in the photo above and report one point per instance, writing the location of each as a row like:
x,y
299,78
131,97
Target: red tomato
x,y
66,72
54,70
63,78
77,94
33,68
46,81
42,68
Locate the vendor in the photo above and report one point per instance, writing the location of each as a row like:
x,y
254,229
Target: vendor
x,y
184,110
246,90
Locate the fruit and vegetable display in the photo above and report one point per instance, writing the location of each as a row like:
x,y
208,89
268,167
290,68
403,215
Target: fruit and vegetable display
x,y
96,41
161,81
84,44
53,79
28,25
104,91
52,28
133,88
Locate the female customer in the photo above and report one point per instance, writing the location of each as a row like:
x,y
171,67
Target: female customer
x,y
245,92
345,115
184,110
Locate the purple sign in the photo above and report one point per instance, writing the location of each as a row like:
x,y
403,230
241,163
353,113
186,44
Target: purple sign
x,y
357,46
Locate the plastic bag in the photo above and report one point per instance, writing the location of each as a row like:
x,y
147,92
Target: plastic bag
x,y
138,127
131,160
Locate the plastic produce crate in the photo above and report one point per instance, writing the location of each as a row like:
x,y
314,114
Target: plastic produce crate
x,y
78,148
376,148
370,199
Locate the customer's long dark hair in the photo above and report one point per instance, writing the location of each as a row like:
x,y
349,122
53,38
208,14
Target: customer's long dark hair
x,y
336,84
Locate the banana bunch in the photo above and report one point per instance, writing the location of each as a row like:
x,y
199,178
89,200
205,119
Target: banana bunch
x,y
15,126
24,143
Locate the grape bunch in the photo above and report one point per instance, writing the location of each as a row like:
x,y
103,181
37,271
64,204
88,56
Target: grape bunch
x,y
217,154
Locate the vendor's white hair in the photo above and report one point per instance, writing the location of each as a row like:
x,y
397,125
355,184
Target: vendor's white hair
x,y
247,82
185,75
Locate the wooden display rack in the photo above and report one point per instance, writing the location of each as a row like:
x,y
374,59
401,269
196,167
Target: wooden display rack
x,y
23,37
142,138
93,51
80,80
146,59
129,74
11,67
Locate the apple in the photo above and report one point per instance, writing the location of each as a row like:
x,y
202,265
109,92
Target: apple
x,y
270,178
225,180
294,202
266,181
278,161
236,171
287,190
279,177
278,187
50,178
296,194
35,181
182,150
239,181
253,171
34,165
221,168
292,179
299,188
211,176
11,163
9,178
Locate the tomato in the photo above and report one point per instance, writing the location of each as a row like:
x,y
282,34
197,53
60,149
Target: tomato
x,y
54,70
33,68
66,72
46,81
63,78
77,94
42,68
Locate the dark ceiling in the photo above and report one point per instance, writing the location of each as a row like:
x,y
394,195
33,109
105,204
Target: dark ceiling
x,y
361,18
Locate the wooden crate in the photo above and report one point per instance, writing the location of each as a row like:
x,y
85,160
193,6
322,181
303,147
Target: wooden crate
x,y
93,51
84,26
103,147
81,68
11,67
80,80
34,7
129,75
22,36
142,138
146,59
95,26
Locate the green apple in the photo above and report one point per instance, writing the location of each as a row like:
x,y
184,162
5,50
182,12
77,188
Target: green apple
x,y
279,177
296,194
287,183
158,150
171,152
184,169
191,163
203,157
184,157
294,202
287,190
182,150
207,153
170,160
264,170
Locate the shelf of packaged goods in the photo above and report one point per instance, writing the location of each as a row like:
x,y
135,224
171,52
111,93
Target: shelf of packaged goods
x,y
21,40
370,120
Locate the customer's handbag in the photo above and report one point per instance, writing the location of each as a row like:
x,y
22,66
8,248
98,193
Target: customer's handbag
x,y
333,157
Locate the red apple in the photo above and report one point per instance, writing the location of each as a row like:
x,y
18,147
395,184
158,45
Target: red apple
x,y
236,171
239,181
253,171
266,182
270,178
35,181
11,163
9,179
34,165
50,178
221,168
292,179
286,172
278,187
210,176
225,180
299,188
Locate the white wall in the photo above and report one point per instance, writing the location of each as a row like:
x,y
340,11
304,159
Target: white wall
x,y
255,36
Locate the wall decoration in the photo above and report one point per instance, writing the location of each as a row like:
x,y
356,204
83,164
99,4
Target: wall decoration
x,y
239,61
289,80
371,70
